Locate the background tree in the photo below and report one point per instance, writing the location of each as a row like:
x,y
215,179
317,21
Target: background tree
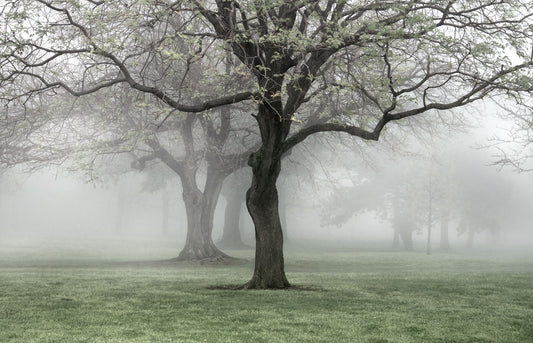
x,y
143,132
234,192
484,199
159,179
393,193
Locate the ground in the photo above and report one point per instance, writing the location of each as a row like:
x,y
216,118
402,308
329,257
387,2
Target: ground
x,y
366,297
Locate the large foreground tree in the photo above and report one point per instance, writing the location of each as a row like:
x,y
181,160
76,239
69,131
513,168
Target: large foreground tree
x,y
383,60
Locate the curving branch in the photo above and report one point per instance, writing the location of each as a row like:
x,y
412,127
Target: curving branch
x,y
125,75
477,92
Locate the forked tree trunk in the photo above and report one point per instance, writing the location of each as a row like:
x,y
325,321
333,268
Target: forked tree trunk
x,y
199,205
200,208
231,235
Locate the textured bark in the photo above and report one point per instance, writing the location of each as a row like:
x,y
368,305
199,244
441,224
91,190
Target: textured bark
x,y
199,205
262,201
283,217
200,208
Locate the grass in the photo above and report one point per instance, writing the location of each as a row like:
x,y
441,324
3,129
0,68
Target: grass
x,y
372,297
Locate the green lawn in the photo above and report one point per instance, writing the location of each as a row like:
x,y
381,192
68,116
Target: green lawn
x,y
356,297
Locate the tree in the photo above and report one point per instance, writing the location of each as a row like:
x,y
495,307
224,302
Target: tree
x,y
158,180
386,60
234,192
483,198
412,194
513,147
439,194
206,144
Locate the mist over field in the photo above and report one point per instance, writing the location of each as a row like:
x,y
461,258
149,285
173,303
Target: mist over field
x,y
56,211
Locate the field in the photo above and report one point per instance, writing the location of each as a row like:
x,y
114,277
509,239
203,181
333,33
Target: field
x,y
343,297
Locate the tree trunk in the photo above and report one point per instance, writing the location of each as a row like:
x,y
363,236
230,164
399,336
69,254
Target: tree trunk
x,y
444,231
231,235
165,211
396,239
262,203
200,208
407,239
283,216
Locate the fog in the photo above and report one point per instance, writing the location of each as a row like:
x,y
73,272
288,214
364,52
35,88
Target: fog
x,y
52,210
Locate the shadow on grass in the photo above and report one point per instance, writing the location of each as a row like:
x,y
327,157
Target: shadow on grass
x,y
244,288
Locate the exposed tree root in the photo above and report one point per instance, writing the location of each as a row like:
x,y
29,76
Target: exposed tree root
x,y
204,255
271,283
